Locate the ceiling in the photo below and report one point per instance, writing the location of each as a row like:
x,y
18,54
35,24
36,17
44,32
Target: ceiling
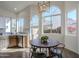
x,y
19,5
15,6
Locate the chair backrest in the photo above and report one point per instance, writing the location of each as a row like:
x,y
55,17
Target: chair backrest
x,y
61,46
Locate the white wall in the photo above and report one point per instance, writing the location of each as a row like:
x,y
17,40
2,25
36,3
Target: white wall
x,y
71,41
6,13
58,37
78,28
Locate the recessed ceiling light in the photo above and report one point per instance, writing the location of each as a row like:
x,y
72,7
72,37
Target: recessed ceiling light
x,y
15,8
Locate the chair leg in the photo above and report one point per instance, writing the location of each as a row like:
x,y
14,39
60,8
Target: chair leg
x,y
30,55
40,49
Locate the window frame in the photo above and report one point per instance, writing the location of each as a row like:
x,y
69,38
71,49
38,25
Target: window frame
x,y
43,18
36,25
66,23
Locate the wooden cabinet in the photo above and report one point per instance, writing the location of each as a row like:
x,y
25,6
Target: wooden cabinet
x,y
25,41
18,41
13,41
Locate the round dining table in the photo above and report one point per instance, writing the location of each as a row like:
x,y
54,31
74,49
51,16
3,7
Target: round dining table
x,y
50,44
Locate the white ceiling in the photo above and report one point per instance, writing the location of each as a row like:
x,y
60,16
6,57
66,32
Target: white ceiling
x,y
20,5
10,5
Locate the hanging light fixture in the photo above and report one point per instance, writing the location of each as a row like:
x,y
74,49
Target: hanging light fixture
x,y
43,6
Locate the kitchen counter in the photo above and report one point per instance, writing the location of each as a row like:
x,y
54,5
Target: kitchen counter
x,y
21,41
15,34
18,40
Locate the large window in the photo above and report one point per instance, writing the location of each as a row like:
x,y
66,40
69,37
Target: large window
x,y
20,25
34,27
71,22
52,20
47,25
2,25
8,24
13,25
34,21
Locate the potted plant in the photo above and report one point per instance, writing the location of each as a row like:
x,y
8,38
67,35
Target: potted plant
x,y
44,39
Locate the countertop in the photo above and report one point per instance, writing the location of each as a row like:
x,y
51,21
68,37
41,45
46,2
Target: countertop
x,y
15,34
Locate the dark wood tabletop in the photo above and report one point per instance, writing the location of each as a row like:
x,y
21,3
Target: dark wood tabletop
x,y
50,43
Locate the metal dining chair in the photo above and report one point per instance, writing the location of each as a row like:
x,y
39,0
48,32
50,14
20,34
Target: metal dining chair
x,y
35,54
58,50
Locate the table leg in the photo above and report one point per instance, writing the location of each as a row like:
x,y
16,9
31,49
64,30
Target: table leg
x,y
40,49
49,52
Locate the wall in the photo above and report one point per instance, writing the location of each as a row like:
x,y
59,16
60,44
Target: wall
x,y
6,13
71,41
55,36
78,28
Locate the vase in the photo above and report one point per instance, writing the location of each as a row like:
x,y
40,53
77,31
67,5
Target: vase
x,y
44,42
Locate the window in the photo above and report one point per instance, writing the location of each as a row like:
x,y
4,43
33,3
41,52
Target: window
x,y
52,20
2,25
47,25
13,25
34,21
8,24
5,24
71,22
20,24
34,24
56,24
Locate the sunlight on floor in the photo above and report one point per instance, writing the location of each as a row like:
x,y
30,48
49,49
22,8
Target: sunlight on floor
x,y
15,50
